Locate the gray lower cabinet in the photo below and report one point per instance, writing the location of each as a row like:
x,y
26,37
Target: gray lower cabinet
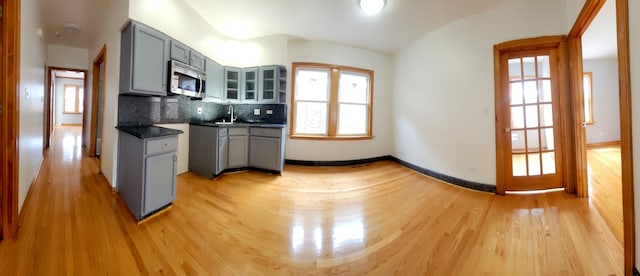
x,y
207,150
266,148
144,53
147,172
238,147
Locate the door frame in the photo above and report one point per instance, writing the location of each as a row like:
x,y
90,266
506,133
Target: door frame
x,y
50,99
10,118
96,102
586,16
566,142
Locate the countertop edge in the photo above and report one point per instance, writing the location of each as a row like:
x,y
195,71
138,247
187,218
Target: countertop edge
x,y
145,132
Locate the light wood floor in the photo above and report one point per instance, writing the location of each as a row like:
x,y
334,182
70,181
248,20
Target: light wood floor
x,y
380,219
605,186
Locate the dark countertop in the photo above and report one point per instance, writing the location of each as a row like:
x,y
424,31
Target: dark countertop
x,y
212,124
144,132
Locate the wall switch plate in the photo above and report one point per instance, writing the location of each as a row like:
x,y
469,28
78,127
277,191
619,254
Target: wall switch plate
x,y
269,111
199,110
256,111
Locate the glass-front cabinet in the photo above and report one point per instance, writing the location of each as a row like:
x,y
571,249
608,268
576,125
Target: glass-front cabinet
x,y
233,83
250,82
273,84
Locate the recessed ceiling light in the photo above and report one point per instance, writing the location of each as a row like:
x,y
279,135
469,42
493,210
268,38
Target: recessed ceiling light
x,y
372,6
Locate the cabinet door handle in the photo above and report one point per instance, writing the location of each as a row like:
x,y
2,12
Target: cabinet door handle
x,y
175,157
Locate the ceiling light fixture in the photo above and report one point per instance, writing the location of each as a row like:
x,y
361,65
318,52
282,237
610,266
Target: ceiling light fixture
x,y
70,28
372,7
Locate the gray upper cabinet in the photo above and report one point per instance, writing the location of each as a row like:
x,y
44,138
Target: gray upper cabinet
x,y
180,52
215,81
186,55
233,84
250,84
144,53
273,84
197,60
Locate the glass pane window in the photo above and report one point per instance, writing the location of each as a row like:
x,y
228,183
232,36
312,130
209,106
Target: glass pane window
x,y
80,100
73,99
588,97
331,101
353,88
352,119
312,85
311,118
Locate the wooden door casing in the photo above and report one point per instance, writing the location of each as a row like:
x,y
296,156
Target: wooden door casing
x,y
557,45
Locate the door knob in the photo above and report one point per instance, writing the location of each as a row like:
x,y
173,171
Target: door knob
x,y
507,129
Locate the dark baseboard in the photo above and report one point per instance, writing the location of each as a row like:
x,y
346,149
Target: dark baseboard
x,y
338,163
635,272
449,179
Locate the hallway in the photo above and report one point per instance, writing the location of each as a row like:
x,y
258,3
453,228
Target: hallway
x,y
379,219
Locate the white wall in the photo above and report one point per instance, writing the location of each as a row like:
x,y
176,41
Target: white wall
x,y
31,97
183,146
60,118
177,19
606,103
113,18
67,57
382,65
634,45
444,92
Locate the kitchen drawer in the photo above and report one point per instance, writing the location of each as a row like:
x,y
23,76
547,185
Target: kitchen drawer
x,y
154,146
266,132
222,131
238,131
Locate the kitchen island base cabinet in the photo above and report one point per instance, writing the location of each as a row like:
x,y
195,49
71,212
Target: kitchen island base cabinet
x,y
147,172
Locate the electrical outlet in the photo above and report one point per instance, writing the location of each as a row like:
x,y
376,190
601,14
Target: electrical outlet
x,y
256,111
269,111
199,110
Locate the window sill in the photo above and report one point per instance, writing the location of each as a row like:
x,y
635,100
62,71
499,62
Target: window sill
x,y
334,138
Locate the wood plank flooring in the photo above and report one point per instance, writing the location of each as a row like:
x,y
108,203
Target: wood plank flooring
x,y
379,219
605,186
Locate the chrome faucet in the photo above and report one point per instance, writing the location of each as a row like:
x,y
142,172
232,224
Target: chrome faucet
x,y
230,111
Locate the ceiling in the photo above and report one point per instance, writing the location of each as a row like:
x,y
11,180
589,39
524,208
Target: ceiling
x,y
401,23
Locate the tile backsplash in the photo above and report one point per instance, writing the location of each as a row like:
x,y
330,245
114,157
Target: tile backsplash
x,y
146,110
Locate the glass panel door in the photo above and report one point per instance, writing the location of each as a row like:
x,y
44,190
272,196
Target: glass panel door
x,y
533,156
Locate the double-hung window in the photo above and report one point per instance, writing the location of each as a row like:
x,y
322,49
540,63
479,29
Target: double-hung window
x,y
73,97
331,102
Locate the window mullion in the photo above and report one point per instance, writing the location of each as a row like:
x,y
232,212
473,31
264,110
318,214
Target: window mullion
x,y
333,102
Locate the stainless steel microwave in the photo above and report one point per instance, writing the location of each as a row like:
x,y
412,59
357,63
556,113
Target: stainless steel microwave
x,y
186,80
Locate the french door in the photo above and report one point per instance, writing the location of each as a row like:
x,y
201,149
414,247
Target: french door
x,y
529,144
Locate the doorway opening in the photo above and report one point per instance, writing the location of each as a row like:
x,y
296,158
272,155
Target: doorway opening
x,y
531,101
95,121
602,117
65,99
589,12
